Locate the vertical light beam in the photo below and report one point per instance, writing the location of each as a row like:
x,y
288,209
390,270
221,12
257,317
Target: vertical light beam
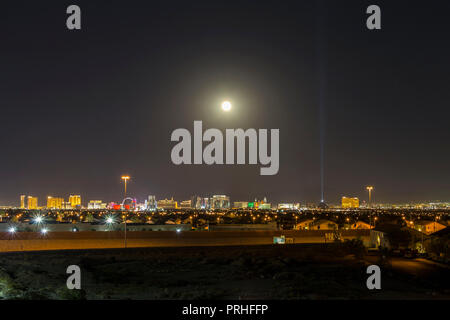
x,y
321,50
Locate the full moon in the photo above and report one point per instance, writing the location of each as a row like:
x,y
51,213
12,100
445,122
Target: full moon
x,y
226,106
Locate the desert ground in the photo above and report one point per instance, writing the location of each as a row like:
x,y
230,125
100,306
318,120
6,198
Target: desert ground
x,y
295,271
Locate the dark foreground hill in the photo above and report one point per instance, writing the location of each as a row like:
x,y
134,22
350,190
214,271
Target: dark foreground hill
x,y
299,271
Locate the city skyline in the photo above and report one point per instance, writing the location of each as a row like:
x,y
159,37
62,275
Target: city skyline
x,y
349,199
58,201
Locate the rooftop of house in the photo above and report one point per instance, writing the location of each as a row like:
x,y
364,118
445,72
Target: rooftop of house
x,y
321,221
426,222
441,233
387,228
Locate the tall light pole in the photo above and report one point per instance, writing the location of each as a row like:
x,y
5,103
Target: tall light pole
x,y
370,188
125,178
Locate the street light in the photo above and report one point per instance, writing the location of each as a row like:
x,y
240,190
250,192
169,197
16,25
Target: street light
x,y
125,178
38,219
370,188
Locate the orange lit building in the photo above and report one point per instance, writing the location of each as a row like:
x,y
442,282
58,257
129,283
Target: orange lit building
x,y
32,203
75,200
22,202
428,227
54,203
350,202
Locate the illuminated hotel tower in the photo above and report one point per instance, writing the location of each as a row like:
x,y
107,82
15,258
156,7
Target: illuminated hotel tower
x,y
22,201
54,203
75,200
350,202
32,203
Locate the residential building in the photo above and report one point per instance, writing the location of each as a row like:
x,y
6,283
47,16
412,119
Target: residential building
x,y
428,227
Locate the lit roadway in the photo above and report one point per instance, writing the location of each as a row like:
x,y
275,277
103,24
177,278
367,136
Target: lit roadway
x,y
414,267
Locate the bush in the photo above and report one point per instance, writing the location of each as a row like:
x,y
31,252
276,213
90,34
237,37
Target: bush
x,y
6,283
67,294
354,246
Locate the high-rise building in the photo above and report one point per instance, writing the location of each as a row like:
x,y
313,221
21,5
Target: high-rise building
x,y
196,202
241,205
220,202
205,203
168,204
151,203
22,201
54,203
96,204
186,204
32,202
75,200
350,202
288,206
261,205
66,205
264,206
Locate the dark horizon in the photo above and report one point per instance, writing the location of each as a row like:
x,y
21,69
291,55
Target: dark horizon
x,y
82,108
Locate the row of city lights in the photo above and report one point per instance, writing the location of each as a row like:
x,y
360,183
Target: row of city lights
x,y
38,220
13,230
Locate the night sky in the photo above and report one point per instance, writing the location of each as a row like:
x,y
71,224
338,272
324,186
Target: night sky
x,y
81,108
